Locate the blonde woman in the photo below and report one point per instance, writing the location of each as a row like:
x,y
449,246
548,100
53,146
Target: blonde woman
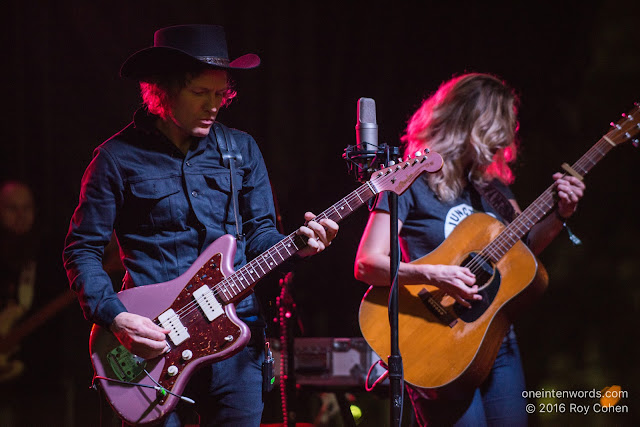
x,y
471,120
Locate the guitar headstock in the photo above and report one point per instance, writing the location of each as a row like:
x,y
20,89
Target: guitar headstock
x,y
626,129
400,176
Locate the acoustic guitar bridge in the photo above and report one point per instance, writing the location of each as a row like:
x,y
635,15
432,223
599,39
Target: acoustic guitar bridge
x,y
437,309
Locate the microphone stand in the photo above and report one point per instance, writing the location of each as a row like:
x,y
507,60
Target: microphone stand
x,y
396,399
358,161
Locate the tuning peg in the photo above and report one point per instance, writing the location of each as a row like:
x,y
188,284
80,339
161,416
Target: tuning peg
x,y
635,142
418,153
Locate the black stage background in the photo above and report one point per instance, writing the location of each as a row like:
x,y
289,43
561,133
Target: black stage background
x,y
575,65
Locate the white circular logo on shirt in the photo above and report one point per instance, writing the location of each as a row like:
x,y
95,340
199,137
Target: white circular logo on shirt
x,y
455,215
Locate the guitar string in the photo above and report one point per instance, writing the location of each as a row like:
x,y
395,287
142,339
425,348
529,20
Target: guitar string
x,y
489,252
219,287
353,201
602,147
474,265
357,198
496,249
486,255
354,196
505,240
361,196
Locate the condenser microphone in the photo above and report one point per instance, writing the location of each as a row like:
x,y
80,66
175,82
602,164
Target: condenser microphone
x,y
366,125
366,138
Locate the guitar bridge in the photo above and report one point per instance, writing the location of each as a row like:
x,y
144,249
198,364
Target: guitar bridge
x,y
437,309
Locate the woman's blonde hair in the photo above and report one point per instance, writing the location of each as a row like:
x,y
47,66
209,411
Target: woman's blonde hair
x,y
471,121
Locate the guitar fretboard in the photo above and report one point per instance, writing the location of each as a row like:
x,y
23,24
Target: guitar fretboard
x,y
234,287
495,250
396,178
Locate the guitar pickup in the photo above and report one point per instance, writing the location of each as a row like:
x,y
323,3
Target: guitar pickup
x,y
438,310
208,302
170,320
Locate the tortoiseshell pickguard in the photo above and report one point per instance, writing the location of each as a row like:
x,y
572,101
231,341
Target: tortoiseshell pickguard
x,y
205,337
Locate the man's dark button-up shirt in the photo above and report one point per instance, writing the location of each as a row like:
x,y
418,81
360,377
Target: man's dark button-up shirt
x,y
165,208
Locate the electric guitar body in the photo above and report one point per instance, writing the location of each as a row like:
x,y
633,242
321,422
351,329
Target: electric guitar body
x,y
207,342
198,308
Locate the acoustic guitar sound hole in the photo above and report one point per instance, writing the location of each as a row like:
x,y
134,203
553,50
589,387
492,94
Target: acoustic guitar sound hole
x,y
488,281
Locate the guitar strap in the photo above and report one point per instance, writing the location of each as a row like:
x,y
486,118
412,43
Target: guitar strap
x,y
500,203
497,200
231,158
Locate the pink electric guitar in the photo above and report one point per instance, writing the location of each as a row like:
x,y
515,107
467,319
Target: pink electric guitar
x,y
198,308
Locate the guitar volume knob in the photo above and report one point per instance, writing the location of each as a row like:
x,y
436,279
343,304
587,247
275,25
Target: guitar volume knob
x,y
172,370
187,355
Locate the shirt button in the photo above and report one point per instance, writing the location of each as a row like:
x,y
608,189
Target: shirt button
x,y
194,193
188,163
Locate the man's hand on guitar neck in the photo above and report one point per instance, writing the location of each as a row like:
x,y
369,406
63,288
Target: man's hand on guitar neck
x,y
319,234
140,335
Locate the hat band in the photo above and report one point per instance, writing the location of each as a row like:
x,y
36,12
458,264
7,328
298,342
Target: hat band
x,y
213,60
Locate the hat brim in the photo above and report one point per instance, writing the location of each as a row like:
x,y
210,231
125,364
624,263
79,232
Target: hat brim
x,y
161,60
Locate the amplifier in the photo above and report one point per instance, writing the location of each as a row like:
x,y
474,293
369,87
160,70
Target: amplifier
x,y
328,361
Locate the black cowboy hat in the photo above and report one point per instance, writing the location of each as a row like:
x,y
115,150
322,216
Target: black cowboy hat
x,y
185,47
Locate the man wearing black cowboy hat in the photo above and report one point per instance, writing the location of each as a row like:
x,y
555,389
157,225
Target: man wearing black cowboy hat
x,y
167,185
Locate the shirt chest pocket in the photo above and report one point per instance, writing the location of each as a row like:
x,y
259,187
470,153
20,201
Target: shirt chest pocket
x,y
155,203
220,198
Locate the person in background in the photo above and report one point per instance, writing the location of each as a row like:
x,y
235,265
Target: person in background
x,y
18,262
17,252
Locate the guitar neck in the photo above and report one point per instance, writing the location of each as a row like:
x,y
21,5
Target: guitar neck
x,y
397,178
236,286
543,204
36,320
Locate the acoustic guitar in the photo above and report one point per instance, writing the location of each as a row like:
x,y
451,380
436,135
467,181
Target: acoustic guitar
x,y
449,348
198,308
